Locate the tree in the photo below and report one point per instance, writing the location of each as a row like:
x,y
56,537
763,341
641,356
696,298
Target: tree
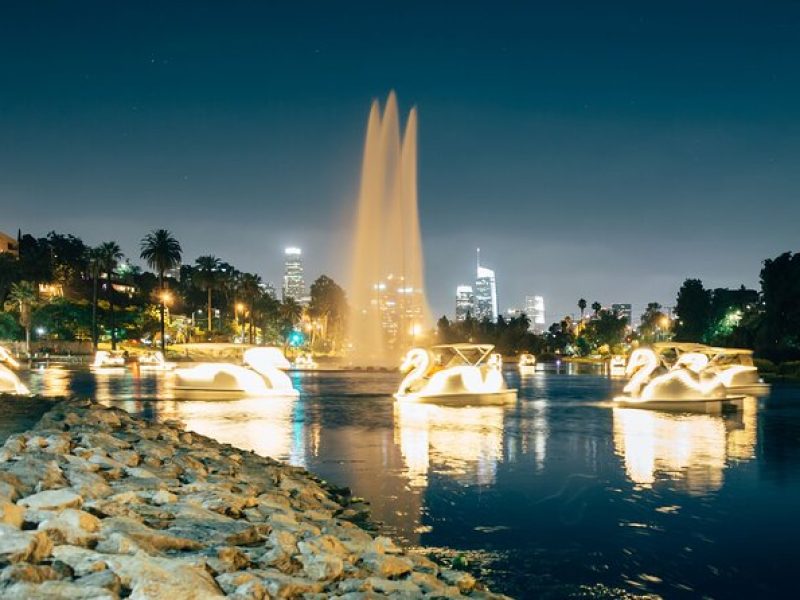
x,y
596,306
607,329
9,273
329,308
582,306
23,297
95,261
693,309
780,287
207,278
110,255
652,324
250,291
162,252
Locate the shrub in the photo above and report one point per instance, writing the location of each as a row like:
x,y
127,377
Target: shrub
x,y
765,366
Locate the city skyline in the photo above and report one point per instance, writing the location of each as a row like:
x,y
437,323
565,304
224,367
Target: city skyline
x,y
572,161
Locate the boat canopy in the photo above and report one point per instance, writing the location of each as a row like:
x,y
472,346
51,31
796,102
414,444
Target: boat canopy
x,y
450,355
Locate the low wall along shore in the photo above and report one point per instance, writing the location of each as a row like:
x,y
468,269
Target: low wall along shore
x,y
97,504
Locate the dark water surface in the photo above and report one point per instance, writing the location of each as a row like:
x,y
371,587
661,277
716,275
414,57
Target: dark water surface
x,y
556,492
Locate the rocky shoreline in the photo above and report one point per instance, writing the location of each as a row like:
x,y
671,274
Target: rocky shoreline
x,y
97,504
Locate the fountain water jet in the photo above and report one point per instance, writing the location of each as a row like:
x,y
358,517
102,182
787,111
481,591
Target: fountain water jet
x,y
387,276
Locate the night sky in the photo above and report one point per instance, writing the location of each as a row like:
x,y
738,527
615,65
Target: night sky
x,y
590,151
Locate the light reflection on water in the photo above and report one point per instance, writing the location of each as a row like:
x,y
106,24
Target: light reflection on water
x,y
559,490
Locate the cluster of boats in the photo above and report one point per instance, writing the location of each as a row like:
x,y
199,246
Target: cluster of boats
x,y
674,376
689,376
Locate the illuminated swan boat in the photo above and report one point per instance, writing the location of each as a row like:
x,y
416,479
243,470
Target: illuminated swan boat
x,y
9,382
527,363
105,360
684,385
155,361
304,361
460,374
733,366
261,375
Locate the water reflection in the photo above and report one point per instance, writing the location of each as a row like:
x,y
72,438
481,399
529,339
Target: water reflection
x,y
265,425
465,443
690,449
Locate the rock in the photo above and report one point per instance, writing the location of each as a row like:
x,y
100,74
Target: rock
x,y
18,546
57,590
163,497
106,579
461,579
72,526
397,588
230,582
80,560
386,566
252,590
34,473
146,537
163,578
52,500
88,484
11,514
279,585
231,559
27,572
322,567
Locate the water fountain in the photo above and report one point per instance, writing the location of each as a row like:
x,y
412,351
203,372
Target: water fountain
x,y
387,277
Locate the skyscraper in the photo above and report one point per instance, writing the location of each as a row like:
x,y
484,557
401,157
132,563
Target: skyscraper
x,y
623,310
294,285
485,293
534,308
465,302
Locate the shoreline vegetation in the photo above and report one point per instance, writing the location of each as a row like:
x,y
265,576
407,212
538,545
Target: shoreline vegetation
x,y
96,503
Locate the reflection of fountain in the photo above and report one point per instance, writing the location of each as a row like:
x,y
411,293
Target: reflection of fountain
x,y
466,441
9,382
387,283
689,448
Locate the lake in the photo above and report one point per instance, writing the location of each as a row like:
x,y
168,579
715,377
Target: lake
x,y
559,494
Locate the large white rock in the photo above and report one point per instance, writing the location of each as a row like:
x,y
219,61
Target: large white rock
x,y
17,546
53,500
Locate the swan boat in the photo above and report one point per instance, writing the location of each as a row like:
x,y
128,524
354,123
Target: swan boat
x,y
108,361
261,375
527,363
734,366
9,382
155,361
684,385
304,362
455,374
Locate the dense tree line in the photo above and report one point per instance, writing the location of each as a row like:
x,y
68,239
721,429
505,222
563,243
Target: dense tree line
x,y
59,288
768,322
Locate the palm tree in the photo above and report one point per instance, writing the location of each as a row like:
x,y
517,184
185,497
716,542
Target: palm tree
x,y
596,306
207,278
110,255
23,296
95,260
582,306
250,291
162,252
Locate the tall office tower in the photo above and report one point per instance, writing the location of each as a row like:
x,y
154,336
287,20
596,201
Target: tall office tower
x,y
465,302
534,308
485,293
293,284
623,310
